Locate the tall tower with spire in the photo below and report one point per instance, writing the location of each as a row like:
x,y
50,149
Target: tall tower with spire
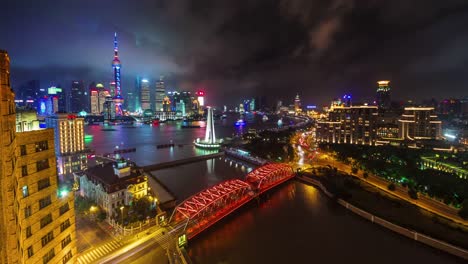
x,y
116,65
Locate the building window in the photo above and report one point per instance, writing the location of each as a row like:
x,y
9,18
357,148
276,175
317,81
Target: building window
x,y
25,191
23,150
47,238
27,211
64,225
28,232
46,220
64,208
66,241
42,145
48,257
44,202
42,164
44,183
67,257
30,251
24,170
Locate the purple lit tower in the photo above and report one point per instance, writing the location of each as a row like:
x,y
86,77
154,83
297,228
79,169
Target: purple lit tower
x,y
118,99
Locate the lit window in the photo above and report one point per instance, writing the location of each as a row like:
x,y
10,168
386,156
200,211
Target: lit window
x,y
25,191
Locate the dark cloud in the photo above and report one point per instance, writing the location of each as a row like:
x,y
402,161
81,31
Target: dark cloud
x,y
234,49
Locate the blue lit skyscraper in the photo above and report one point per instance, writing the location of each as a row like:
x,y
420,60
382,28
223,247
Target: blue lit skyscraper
x,y
116,65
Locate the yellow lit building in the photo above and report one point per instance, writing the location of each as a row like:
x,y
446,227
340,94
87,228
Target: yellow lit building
x,y
420,123
349,125
37,219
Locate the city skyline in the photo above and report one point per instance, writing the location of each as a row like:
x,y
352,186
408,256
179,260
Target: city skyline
x,y
347,48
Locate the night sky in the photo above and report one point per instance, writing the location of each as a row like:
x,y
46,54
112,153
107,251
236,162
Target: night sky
x,y
236,49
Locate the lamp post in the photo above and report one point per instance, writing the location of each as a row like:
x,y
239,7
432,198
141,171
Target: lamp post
x,y
121,213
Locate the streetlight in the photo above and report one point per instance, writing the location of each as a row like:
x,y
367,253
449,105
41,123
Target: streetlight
x,y
92,209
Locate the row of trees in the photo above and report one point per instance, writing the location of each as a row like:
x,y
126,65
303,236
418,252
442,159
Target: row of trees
x,y
273,145
139,210
402,166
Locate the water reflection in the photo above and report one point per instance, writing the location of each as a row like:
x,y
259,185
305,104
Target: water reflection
x,y
295,223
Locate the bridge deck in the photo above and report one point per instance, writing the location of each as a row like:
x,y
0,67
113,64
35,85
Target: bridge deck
x,y
174,163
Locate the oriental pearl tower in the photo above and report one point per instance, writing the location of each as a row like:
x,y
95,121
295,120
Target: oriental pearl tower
x,y
116,65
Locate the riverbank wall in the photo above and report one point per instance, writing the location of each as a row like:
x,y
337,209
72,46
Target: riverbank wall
x,y
427,240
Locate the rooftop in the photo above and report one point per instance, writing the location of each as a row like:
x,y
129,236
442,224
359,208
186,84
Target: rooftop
x,y
108,175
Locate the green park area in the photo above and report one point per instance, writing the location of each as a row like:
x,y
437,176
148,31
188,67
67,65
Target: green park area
x,y
403,166
271,145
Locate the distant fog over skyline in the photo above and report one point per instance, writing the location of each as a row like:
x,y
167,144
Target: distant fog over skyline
x,y
320,49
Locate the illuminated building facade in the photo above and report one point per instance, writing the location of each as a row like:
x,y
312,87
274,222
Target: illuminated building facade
x,y
418,123
201,98
383,95
26,121
57,99
116,65
98,95
145,97
94,101
37,221
159,95
69,142
113,185
166,104
349,125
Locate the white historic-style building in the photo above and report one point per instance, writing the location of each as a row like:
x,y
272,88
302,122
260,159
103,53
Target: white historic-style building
x,y
113,185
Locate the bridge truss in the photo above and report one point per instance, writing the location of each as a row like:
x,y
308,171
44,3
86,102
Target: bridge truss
x,y
208,206
263,178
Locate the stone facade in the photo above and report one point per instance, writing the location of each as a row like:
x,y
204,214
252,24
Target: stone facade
x,y
37,222
113,185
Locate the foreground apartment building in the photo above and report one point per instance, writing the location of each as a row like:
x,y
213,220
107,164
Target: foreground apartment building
x,y
37,221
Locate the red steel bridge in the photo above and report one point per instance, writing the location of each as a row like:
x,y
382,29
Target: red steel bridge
x,y
207,207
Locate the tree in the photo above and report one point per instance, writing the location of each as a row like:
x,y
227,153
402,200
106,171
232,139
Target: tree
x,y
365,175
354,170
101,215
413,194
391,187
463,212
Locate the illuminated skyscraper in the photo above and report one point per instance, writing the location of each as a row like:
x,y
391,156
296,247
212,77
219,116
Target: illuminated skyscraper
x,y
383,95
160,94
37,220
116,65
145,98
98,95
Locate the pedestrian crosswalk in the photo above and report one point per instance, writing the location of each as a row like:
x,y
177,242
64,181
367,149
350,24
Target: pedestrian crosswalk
x,y
98,252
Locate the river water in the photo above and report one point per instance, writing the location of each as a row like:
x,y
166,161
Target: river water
x,y
293,223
